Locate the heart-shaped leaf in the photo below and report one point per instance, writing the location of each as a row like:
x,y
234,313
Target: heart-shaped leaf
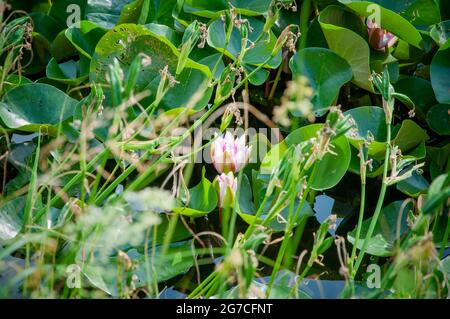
x,y
391,224
127,41
438,118
388,20
29,107
326,71
439,71
330,170
347,44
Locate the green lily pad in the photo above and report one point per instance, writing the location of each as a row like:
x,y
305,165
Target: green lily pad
x,y
84,37
386,230
70,72
414,185
109,13
438,118
347,44
10,220
326,71
440,32
254,56
409,136
61,47
61,10
370,120
46,25
202,200
330,170
389,20
126,41
419,91
30,106
213,9
439,71
422,13
178,260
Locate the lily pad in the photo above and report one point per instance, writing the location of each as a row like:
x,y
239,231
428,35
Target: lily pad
x,y
370,120
30,106
419,91
127,41
70,72
347,44
10,218
213,9
391,224
255,56
439,71
108,13
326,71
330,170
441,32
438,118
414,185
84,37
202,200
389,20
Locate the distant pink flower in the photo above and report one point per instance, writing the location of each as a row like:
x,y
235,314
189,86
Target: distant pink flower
x,y
229,154
379,38
226,182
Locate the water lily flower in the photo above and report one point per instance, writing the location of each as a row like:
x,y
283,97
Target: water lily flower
x,y
379,38
229,154
226,186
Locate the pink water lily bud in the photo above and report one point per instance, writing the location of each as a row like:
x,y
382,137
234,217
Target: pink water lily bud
x,y
379,38
226,185
229,154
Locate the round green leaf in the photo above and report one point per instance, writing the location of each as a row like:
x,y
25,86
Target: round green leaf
x,y
441,32
70,72
369,120
84,37
10,218
347,44
202,200
439,71
389,20
254,56
326,71
419,91
127,41
438,118
414,185
214,9
330,170
386,230
30,106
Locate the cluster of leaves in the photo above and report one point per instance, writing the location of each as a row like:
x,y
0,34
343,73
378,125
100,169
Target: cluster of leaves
x,y
101,89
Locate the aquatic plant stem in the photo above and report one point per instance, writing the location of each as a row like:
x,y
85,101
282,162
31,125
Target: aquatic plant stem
x,y
289,227
275,82
305,11
361,209
380,201
358,229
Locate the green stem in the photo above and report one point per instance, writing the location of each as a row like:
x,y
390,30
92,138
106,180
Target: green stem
x,y
379,206
305,11
289,227
358,229
275,82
